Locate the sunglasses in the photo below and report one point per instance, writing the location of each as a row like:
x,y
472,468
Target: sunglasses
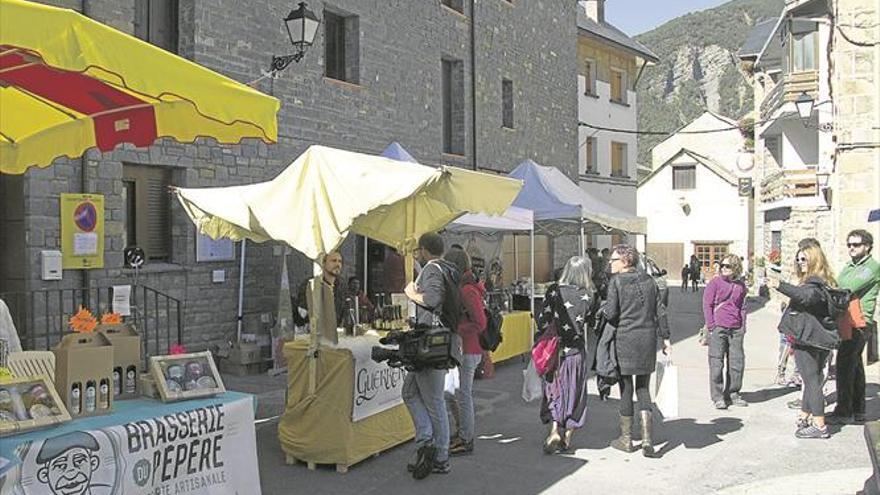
x,y
613,259
801,259
726,265
854,244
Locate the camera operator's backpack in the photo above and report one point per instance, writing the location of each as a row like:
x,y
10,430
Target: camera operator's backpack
x,y
491,338
838,300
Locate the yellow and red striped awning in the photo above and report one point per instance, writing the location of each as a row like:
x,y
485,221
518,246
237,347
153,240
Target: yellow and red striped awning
x,y
69,83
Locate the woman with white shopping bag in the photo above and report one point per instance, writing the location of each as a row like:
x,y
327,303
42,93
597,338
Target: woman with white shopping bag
x,y
635,308
724,310
471,324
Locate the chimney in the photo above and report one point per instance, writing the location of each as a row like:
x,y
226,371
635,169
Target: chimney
x,y
595,10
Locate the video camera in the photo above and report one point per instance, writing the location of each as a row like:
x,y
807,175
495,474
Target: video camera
x,y
420,348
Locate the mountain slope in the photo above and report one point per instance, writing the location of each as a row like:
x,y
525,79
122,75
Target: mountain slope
x,y
698,68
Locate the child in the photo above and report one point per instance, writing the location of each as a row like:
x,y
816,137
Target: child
x,y
685,274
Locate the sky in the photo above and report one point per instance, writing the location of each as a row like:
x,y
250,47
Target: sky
x,y
637,16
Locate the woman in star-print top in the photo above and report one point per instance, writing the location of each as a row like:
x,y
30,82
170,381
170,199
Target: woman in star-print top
x,y
568,310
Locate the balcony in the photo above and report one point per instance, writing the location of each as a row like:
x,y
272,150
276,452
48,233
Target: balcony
x,y
788,89
790,187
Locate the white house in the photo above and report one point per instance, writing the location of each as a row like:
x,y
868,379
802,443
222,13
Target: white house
x,y
610,63
692,199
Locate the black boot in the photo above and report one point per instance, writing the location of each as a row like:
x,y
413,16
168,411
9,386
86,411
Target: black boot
x,y
647,434
624,442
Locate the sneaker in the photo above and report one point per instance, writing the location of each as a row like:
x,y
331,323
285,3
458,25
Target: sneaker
x,y
794,404
441,467
454,442
461,448
424,462
720,404
738,401
781,379
812,431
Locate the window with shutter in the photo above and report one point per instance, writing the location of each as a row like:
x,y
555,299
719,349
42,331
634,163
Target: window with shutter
x,y
148,210
156,21
618,86
507,103
618,159
684,177
591,155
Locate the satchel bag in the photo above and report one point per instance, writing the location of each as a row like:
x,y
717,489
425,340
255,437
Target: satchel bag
x,y
545,353
805,329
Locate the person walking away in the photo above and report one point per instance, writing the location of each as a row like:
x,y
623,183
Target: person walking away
x,y
635,308
471,325
685,274
861,275
724,310
568,309
423,388
813,273
695,272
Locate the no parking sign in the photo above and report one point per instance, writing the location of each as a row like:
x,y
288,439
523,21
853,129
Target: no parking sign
x,y
82,231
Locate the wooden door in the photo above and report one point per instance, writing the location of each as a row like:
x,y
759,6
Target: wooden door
x,y
709,253
668,256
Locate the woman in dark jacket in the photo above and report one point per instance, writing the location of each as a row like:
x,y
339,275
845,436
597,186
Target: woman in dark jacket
x,y
634,306
568,309
813,273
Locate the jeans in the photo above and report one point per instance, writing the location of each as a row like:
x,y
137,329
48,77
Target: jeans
x,y
851,375
726,343
423,395
462,405
811,363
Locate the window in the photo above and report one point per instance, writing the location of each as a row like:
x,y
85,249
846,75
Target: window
x,y
155,21
341,47
453,106
618,86
456,5
590,77
684,177
147,210
618,159
804,47
507,103
776,241
709,254
591,156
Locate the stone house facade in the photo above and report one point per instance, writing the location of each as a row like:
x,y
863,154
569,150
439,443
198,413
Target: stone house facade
x,y
481,85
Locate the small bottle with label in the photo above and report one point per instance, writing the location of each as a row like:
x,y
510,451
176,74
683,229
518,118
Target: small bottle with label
x,y
117,381
75,399
91,397
104,394
131,380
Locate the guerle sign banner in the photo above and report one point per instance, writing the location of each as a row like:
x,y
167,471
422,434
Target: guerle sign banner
x,y
209,449
377,386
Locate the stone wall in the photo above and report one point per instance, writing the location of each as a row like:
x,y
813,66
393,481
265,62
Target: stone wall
x,y
397,98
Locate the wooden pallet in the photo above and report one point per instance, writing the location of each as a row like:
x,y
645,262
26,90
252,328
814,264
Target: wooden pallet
x,y
340,468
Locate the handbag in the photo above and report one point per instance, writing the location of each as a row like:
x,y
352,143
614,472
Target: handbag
x,y
871,344
452,382
667,389
532,386
703,338
545,352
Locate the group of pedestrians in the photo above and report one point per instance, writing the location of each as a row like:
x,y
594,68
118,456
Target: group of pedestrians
x,y
693,273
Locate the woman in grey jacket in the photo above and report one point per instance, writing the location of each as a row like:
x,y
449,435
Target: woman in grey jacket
x,y
634,306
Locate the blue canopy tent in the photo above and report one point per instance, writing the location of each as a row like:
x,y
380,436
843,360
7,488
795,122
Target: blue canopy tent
x,y
874,216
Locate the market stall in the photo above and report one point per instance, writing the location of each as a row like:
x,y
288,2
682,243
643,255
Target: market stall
x,y
335,193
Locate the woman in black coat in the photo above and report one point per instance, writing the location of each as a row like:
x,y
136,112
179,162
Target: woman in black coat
x,y
813,273
634,306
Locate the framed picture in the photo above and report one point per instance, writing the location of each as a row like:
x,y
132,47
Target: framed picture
x,y
186,376
29,403
208,249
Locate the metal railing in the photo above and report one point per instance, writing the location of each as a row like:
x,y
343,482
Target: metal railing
x,y
41,316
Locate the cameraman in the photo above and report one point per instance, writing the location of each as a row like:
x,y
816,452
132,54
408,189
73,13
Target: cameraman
x,y
423,388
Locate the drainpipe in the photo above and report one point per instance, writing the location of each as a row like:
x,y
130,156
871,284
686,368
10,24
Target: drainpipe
x,y
473,86
84,188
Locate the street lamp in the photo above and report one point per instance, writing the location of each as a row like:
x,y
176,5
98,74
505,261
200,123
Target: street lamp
x,y
301,25
805,106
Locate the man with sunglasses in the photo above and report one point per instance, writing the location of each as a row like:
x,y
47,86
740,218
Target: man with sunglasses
x,y
861,275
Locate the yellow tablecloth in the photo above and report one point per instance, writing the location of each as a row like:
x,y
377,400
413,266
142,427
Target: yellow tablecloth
x,y
516,329
318,428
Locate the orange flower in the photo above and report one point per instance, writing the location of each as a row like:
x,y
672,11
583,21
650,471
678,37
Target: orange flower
x,y
83,321
111,319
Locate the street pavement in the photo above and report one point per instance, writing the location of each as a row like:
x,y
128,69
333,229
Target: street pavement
x,y
748,450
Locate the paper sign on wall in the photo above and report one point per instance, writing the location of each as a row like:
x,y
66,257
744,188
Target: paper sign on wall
x,y
82,231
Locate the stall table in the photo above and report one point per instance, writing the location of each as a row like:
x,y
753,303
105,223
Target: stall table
x,y
144,446
516,328
355,413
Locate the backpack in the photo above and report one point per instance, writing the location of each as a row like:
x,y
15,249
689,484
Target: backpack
x,y
491,338
837,299
452,308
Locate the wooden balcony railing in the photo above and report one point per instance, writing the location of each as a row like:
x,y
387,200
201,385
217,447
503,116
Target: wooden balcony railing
x,y
788,89
789,184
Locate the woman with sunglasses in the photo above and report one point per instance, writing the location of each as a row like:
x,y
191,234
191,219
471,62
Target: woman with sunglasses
x,y
634,306
812,272
724,309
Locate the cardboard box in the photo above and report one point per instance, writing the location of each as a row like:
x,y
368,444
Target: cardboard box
x,y
29,403
148,386
84,373
126,359
244,353
186,376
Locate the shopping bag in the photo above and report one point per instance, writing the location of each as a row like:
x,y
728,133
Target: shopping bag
x,y
532,386
452,381
667,389
871,344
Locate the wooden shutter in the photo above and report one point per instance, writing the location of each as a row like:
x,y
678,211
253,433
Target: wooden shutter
x,y
152,209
